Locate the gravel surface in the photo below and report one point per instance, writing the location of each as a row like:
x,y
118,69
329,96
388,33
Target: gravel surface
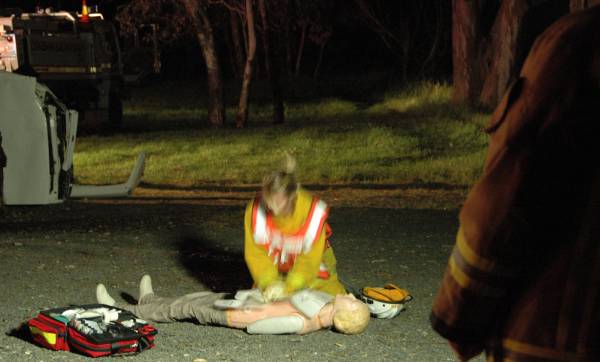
x,y
53,256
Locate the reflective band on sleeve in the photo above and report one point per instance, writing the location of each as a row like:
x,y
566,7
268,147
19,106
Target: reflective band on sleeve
x,y
476,260
323,272
540,352
475,286
260,224
316,225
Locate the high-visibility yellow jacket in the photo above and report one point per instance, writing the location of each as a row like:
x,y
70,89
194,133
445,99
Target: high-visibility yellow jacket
x,y
293,248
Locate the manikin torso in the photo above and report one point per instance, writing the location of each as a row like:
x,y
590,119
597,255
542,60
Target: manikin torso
x,y
241,318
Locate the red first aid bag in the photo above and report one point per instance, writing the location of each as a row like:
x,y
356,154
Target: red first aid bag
x,y
93,330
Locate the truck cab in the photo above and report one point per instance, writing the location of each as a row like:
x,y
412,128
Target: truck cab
x,y
79,59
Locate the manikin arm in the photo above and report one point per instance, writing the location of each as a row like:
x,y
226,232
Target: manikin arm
x,y
275,318
242,298
307,302
277,325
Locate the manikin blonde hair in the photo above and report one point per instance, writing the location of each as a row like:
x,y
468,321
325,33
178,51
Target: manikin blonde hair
x,y
282,180
352,321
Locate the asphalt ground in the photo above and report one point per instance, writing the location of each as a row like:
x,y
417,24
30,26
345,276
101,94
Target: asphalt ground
x,y
54,255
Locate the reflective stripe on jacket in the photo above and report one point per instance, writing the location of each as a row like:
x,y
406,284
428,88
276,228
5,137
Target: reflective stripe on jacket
x,y
283,248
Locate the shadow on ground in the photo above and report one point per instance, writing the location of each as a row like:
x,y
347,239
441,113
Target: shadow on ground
x,y
21,332
217,268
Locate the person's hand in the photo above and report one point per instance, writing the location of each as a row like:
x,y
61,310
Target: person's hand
x,y
466,351
275,291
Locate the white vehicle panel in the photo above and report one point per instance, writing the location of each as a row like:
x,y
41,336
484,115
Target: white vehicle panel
x,y
38,138
27,179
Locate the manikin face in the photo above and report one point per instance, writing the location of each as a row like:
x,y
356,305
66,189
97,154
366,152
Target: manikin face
x,y
279,203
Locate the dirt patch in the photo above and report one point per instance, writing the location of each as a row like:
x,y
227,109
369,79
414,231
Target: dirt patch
x,y
337,196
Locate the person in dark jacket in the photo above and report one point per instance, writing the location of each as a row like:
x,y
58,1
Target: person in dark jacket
x,y
523,280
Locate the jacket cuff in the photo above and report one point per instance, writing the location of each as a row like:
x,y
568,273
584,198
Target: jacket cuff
x,y
266,280
457,334
294,282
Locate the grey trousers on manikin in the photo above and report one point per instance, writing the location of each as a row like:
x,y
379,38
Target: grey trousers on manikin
x,y
194,306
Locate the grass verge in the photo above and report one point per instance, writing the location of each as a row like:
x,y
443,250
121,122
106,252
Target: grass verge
x,y
411,135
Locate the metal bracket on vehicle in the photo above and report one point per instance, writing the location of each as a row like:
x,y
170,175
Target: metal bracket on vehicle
x,y
110,191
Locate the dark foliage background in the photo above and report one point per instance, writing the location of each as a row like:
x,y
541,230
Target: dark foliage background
x,y
353,45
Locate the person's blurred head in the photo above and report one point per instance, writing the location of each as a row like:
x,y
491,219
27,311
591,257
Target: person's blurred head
x,y
280,187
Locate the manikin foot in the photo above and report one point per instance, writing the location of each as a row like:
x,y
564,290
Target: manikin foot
x,y
145,287
102,296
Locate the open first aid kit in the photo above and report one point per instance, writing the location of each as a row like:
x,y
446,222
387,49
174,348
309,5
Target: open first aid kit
x,y
93,330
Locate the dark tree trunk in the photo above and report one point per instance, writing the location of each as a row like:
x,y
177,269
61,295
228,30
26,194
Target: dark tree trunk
x,y
272,49
238,50
287,37
405,47
319,59
499,62
465,55
231,52
258,63
490,42
242,114
262,9
204,33
278,106
300,48
433,50
576,5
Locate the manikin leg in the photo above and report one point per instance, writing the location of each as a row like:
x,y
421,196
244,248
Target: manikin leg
x,y
195,306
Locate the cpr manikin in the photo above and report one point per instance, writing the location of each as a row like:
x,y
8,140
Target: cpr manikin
x,y
304,312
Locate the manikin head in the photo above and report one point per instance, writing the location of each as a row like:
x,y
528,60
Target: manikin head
x,y
350,315
280,189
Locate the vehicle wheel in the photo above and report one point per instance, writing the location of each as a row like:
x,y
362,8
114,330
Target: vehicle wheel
x,y
115,111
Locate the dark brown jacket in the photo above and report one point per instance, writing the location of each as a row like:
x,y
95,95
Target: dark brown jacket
x,y
524,276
